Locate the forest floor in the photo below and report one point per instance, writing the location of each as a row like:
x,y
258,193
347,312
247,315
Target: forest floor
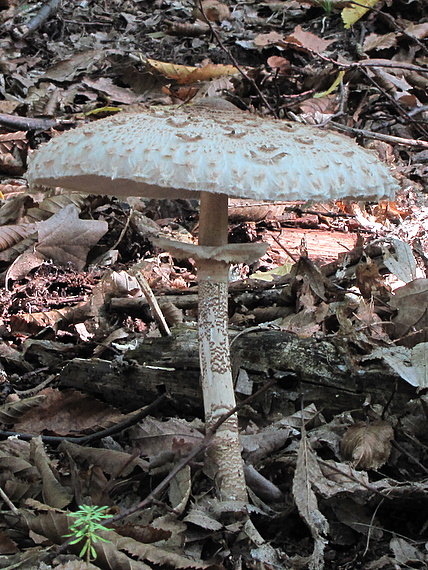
x,y
336,452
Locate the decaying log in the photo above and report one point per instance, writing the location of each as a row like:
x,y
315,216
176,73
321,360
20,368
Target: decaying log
x,y
318,370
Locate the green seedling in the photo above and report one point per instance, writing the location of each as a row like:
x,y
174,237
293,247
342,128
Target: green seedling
x,y
87,527
326,5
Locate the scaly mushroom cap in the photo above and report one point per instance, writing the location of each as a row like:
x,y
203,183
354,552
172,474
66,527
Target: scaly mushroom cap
x,y
179,152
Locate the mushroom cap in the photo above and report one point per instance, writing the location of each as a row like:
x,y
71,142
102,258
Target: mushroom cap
x,y
166,152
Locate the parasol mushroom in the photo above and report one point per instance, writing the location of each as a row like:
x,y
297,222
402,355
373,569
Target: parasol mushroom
x,y
212,153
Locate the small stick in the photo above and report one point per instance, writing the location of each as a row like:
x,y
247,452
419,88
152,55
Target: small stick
x,y
152,301
47,10
380,136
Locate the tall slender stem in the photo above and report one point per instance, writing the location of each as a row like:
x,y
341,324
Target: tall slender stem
x,y
224,453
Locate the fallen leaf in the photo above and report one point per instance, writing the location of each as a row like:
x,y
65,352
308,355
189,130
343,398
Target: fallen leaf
x,y
410,363
263,40
211,10
419,31
401,261
367,446
411,301
369,280
106,86
279,64
66,238
353,14
376,41
332,87
308,40
307,472
186,74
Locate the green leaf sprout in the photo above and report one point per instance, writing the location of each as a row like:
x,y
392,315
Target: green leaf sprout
x,y
87,527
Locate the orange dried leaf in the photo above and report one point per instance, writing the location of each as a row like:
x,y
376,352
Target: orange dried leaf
x,y
185,74
213,11
210,71
263,40
308,40
280,64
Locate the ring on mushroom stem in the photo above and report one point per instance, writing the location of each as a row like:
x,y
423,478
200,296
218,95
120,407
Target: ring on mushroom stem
x,y
212,153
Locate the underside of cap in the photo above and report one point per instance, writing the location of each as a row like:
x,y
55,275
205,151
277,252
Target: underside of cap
x,y
179,152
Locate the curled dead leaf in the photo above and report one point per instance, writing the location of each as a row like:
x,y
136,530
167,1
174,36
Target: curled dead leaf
x,y
369,280
187,29
186,74
212,10
367,446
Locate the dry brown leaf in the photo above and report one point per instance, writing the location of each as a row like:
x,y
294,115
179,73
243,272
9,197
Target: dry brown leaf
x,y
13,148
399,259
52,205
369,280
410,363
32,323
377,41
109,461
114,92
7,545
307,472
311,275
212,10
66,238
370,321
419,31
180,489
23,264
367,446
411,301
187,29
263,40
390,211
307,40
54,493
279,64
11,412
186,74
12,188
208,72
153,437
10,235
80,63
146,534
68,412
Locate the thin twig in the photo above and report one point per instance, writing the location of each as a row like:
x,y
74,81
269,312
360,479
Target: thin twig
x,y
124,229
380,136
290,255
9,503
152,301
45,12
15,123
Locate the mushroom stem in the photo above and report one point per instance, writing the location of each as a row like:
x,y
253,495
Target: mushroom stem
x,y
217,386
